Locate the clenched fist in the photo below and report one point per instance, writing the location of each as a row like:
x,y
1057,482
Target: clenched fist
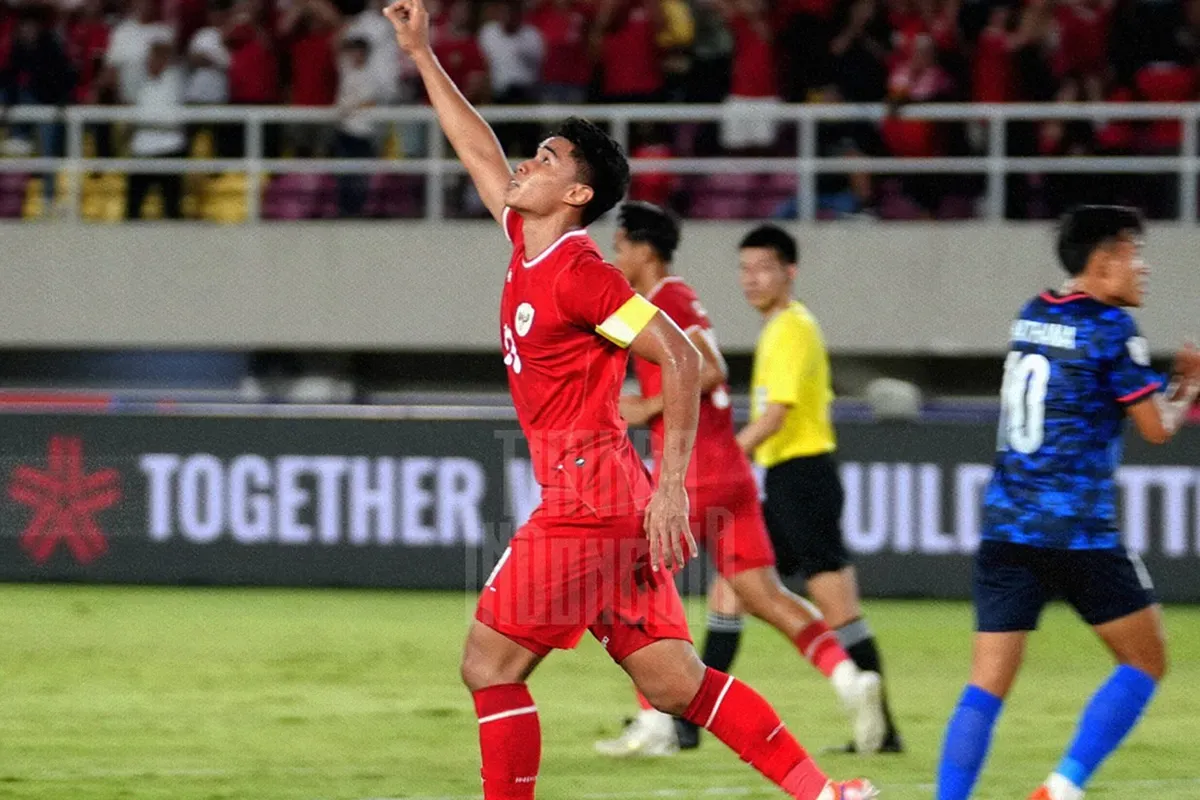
x,y
411,21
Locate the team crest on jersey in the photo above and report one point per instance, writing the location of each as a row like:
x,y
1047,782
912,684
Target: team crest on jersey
x,y
524,318
1139,350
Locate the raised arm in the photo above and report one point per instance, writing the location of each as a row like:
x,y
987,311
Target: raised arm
x,y
470,136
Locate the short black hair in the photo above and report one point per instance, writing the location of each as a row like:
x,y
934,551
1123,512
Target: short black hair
x,y
654,225
602,165
1085,229
774,238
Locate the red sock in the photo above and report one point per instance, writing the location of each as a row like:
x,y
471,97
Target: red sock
x,y
820,646
643,703
746,723
510,741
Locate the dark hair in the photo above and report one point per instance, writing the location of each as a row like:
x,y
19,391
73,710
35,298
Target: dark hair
x,y
601,163
646,222
774,238
1085,229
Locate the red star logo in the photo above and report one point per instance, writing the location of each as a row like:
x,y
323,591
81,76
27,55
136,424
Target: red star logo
x,y
65,501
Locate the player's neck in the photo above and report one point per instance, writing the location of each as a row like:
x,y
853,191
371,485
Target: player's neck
x,y
779,305
651,278
1085,285
542,232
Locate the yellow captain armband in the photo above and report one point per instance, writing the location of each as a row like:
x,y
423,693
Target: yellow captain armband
x,y
627,321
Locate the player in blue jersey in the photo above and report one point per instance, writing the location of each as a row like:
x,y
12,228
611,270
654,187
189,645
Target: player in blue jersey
x,y
1076,368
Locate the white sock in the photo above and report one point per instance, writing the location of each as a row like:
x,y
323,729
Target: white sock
x,y
1062,789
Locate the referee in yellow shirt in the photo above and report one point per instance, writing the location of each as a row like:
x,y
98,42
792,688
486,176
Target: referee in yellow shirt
x,y
791,435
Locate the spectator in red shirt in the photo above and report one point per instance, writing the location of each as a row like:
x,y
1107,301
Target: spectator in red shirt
x,y
993,80
86,36
253,69
919,79
754,90
626,35
650,141
458,51
1082,27
308,31
567,70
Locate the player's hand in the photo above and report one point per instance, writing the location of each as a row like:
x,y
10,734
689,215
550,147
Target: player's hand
x,y
411,22
667,528
1187,363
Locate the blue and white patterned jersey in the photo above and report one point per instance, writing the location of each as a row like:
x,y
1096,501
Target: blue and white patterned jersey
x,y
1074,366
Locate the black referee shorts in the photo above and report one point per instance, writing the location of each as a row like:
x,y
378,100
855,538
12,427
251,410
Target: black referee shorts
x,y
803,510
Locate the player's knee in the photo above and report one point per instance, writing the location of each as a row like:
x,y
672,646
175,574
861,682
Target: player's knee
x,y
478,672
1152,661
670,699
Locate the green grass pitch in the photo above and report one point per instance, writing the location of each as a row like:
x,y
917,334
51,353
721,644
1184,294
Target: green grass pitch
x,y
200,694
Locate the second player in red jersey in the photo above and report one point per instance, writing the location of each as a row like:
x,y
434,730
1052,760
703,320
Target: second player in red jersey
x,y
726,517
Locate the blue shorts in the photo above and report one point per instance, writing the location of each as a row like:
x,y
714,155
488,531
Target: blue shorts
x,y
1013,583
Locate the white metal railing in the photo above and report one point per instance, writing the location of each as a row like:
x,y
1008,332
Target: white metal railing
x,y
806,166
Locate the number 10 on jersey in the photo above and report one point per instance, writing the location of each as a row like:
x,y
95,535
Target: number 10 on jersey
x,y
1023,402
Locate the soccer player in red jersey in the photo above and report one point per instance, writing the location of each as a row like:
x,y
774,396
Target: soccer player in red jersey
x,y
725,513
597,553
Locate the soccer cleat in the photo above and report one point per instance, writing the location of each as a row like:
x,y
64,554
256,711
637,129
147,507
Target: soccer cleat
x,y
1041,793
857,789
862,695
650,734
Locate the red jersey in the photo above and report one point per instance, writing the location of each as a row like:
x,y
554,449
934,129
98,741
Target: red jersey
x,y
993,73
564,31
314,69
716,458
753,61
630,55
566,318
461,57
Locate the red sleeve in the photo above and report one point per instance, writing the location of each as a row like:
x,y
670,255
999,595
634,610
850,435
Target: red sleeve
x,y
680,303
589,291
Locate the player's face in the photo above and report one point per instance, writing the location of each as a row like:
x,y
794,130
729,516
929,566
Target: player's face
x,y
542,184
628,256
1127,273
766,280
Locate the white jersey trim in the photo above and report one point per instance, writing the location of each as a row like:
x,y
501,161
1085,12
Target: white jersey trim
x,y
546,253
668,279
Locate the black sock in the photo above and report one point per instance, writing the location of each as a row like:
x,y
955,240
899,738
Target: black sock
x,y
721,642
858,641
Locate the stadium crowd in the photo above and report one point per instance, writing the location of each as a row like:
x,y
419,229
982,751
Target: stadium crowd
x,y
160,54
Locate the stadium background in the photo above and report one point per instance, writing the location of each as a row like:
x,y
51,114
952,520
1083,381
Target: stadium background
x,y
285,409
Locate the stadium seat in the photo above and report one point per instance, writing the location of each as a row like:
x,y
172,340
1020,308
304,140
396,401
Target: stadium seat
x,y
34,206
12,194
300,196
103,197
225,200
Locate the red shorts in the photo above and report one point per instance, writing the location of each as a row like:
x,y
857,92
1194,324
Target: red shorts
x,y
727,521
547,589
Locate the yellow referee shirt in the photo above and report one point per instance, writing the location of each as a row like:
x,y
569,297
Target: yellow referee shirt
x,y
791,368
